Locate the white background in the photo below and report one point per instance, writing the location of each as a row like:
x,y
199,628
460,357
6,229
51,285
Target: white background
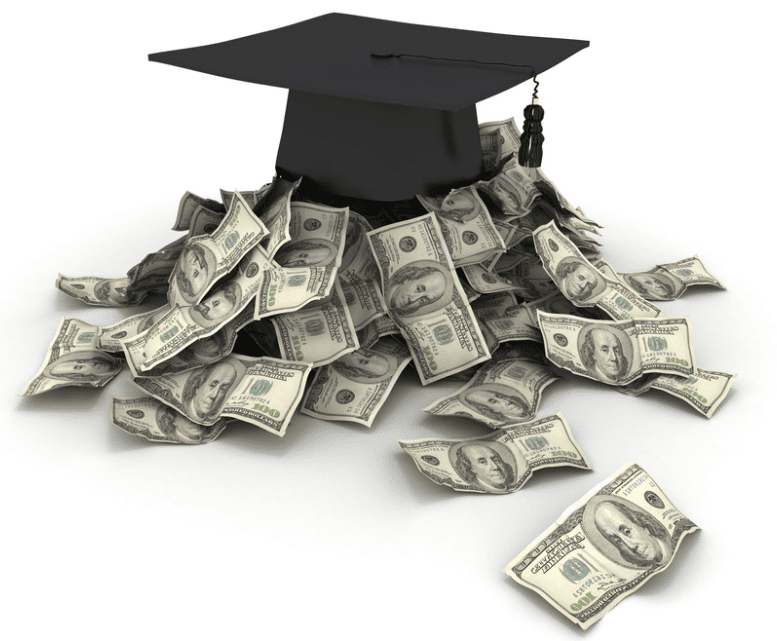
x,y
662,131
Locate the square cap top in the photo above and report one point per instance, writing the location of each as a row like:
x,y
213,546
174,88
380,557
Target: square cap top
x,y
332,55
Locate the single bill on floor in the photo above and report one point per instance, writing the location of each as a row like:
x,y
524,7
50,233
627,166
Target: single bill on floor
x,y
512,189
704,391
155,421
487,282
498,140
425,299
582,283
305,268
664,282
274,210
604,547
355,386
259,390
74,359
93,290
466,226
203,351
508,391
500,462
364,300
189,204
206,259
319,333
618,353
110,337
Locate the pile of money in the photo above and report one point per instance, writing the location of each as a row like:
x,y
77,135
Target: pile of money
x,y
276,303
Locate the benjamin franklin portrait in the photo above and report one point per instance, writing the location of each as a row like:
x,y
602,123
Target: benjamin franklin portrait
x,y
93,367
626,533
498,403
488,466
652,286
363,366
179,429
578,280
417,288
206,389
217,306
113,292
459,206
192,272
603,356
306,253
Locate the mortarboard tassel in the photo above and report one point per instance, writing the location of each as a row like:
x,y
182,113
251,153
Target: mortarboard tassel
x,y
530,152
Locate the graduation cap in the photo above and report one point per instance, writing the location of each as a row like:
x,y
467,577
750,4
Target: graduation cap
x,y
378,110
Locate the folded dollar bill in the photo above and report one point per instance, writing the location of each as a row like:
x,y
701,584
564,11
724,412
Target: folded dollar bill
x,y
74,359
603,547
500,462
259,390
667,281
355,386
498,140
618,353
501,393
582,283
155,421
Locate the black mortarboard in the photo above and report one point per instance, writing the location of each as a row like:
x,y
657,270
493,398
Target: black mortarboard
x,y
366,124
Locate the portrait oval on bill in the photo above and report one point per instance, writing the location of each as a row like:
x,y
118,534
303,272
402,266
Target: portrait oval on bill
x,y
459,206
578,280
606,353
355,239
152,318
192,271
419,288
206,389
496,402
217,306
364,366
487,465
113,292
179,429
626,533
83,366
653,286
316,252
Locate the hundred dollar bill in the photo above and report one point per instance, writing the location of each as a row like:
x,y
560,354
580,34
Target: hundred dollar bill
x,y
425,299
376,329
358,263
582,283
355,386
498,140
485,281
512,189
305,268
703,391
274,210
618,353
259,390
151,275
252,197
206,259
74,360
318,333
603,547
500,462
500,394
466,226
204,221
364,300
491,306
152,419
93,290
667,281
189,204
515,326
203,351
110,337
